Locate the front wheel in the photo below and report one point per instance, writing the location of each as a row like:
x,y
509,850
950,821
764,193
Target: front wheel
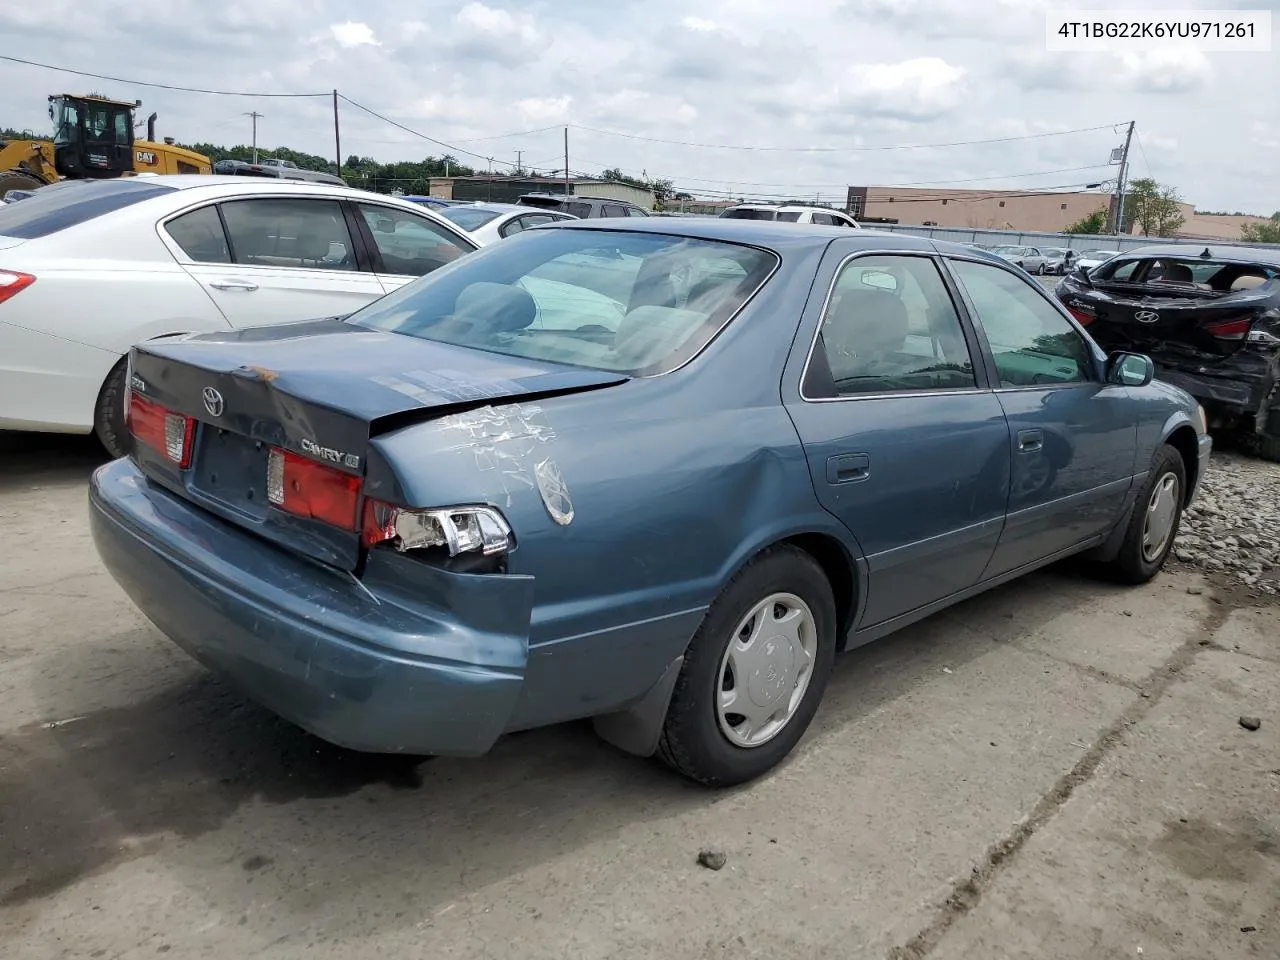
x,y
1153,526
754,672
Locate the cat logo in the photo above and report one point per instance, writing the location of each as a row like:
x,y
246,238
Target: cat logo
x,y
147,157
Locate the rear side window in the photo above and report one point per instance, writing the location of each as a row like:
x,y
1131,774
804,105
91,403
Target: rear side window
x,y
577,208
308,234
747,213
200,235
613,210
72,202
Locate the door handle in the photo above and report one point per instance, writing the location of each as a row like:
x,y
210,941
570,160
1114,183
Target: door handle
x,y
1029,441
848,467
245,285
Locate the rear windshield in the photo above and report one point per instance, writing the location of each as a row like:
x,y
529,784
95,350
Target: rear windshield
x,y
71,202
747,213
634,303
469,218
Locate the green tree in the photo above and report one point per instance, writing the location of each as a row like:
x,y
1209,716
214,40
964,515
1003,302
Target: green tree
x,y
1092,223
1154,208
1266,232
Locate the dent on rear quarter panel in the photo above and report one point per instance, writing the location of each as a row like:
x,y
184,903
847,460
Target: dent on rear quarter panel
x,y
674,483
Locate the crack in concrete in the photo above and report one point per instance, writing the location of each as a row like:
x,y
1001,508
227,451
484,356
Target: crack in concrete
x,y
966,893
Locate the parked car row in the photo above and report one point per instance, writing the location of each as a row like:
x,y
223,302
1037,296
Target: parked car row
x,y
415,480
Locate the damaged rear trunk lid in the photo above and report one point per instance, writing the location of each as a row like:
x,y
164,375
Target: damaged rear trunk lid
x,y
319,390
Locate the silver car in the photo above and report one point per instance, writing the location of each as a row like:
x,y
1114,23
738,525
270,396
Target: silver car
x,y
1030,259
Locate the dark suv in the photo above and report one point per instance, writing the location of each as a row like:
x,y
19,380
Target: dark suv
x,y
583,207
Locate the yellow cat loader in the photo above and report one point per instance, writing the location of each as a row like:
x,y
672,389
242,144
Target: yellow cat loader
x,y
92,139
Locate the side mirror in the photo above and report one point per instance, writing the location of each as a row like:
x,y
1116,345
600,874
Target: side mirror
x,y
1130,369
1080,273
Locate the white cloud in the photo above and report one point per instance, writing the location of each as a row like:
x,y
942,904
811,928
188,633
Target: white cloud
x,y
544,108
352,34
1176,70
698,24
492,22
919,88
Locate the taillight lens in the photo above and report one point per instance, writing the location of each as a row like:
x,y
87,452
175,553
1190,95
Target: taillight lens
x,y
1084,318
1230,329
306,488
11,282
458,529
165,432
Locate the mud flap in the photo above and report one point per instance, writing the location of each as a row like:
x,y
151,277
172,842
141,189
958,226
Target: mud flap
x,y
636,729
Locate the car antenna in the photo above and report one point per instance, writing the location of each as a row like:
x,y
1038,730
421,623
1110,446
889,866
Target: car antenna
x,y
1206,255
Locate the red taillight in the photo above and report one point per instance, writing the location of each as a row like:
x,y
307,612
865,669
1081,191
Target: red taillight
x,y
1084,318
11,282
166,433
1230,329
306,488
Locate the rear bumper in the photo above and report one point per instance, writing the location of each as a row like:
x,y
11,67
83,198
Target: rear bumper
x,y
1234,394
410,659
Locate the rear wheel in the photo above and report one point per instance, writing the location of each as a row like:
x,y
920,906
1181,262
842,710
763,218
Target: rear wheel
x,y
108,416
14,180
1153,526
1269,448
754,672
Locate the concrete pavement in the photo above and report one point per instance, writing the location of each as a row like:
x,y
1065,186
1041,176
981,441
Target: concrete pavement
x,y
1055,769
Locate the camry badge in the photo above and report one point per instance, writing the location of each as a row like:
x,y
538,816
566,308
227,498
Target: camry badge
x,y
1146,316
212,401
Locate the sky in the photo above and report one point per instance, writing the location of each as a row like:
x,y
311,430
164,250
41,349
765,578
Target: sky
x,y
842,79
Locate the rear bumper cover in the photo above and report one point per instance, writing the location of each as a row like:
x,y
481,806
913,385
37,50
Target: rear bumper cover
x,y
407,660
1237,394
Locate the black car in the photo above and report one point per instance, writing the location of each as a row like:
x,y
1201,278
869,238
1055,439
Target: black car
x,y
1208,316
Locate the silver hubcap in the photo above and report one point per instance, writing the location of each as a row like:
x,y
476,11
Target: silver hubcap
x,y
1161,511
766,670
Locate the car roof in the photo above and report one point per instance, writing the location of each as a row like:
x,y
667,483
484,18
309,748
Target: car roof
x,y
1195,251
772,234
230,186
497,207
785,206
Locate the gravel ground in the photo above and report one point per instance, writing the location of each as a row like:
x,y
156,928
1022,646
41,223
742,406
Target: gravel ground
x,y
1233,528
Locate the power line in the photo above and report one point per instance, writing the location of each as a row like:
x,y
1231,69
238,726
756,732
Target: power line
x,y
518,133
160,86
1143,150
916,183
394,123
900,146
1058,190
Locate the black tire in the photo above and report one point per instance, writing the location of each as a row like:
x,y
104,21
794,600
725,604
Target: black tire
x,y
1268,447
1131,564
108,416
14,180
1040,270
692,742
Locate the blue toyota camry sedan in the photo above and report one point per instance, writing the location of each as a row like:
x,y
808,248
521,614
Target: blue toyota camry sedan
x,y
655,473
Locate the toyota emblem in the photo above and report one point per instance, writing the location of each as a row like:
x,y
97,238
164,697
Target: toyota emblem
x,y
212,401
1146,316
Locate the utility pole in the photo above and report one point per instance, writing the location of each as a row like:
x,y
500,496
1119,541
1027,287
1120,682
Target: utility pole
x,y
337,140
1122,182
519,163
566,161
255,115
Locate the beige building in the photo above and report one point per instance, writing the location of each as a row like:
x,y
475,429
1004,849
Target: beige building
x,y
1207,226
978,209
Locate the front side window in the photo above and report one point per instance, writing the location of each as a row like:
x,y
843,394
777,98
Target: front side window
x,y
890,326
749,213
306,234
200,235
635,303
636,212
1031,342
410,245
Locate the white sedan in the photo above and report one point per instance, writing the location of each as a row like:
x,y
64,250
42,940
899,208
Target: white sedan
x,y
488,223
89,268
